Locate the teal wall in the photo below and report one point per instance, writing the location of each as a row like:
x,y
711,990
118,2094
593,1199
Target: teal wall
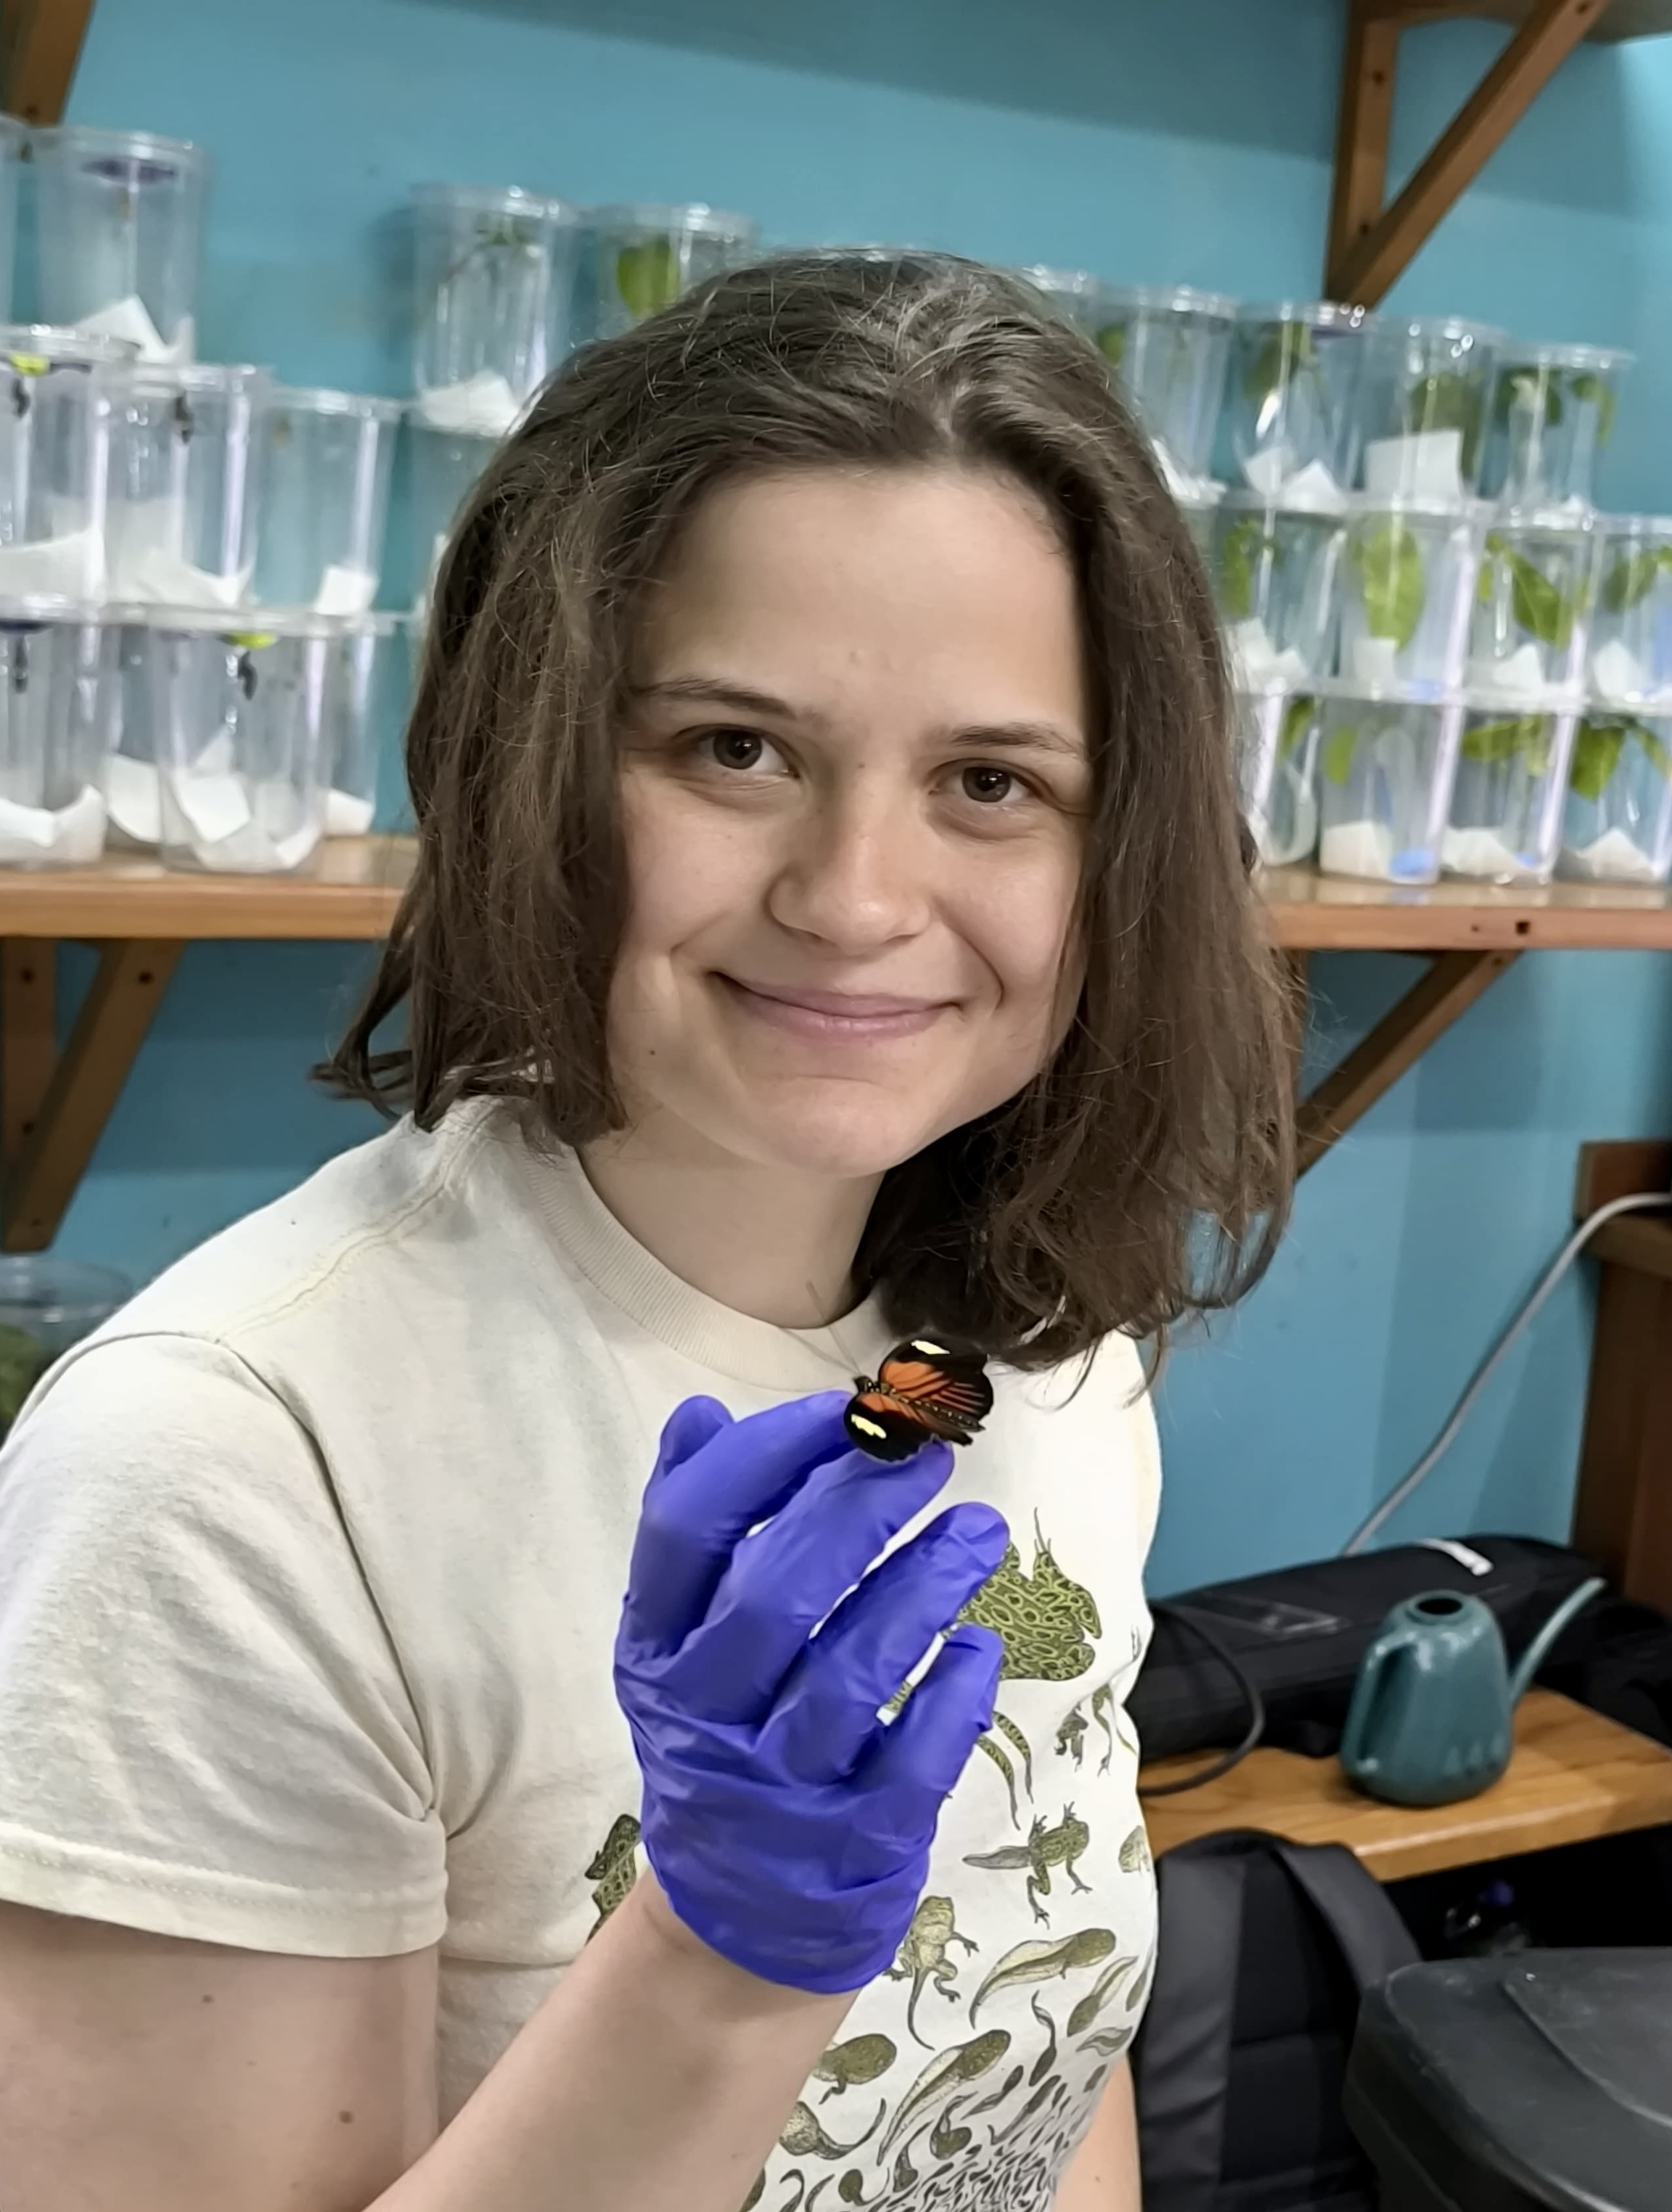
x,y
1190,141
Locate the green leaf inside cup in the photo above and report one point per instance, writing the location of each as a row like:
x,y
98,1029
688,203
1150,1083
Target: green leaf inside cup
x,y
1388,562
1296,721
1111,343
647,276
1593,390
1338,752
1511,737
1449,399
1596,751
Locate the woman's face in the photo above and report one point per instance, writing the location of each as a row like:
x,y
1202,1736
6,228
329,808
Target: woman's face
x,y
855,774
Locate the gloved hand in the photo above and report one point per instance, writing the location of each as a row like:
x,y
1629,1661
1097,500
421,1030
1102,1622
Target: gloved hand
x,y
788,1826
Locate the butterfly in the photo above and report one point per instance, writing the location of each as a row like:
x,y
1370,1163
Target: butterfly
x,y
922,1390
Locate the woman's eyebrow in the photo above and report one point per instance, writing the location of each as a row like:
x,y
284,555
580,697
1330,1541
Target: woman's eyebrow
x,y
971,736
717,691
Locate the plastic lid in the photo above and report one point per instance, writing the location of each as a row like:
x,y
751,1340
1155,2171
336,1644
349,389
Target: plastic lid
x,y
1465,509
1078,283
1601,360
249,626
1535,2083
1241,499
32,609
707,222
51,341
1577,521
1455,327
158,161
163,376
1172,299
308,399
1321,314
60,1290
1440,696
1635,525
497,199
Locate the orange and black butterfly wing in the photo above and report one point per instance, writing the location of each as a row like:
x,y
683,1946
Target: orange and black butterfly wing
x,y
922,1389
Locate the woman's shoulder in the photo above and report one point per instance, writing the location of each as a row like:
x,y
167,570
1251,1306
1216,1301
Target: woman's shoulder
x,y
1083,1437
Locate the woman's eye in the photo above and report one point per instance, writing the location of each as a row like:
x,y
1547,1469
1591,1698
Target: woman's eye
x,y
987,786
736,749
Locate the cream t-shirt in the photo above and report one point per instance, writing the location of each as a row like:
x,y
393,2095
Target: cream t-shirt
x,y
310,1567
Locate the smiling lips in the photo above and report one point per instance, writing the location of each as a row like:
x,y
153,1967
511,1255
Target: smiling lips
x,y
840,1017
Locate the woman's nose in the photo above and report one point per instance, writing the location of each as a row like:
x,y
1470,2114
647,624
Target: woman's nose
x,y
857,875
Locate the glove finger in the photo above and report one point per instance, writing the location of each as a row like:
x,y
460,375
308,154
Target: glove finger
x,y
827,1715
786,1579
926,1749
697,1510
693,1423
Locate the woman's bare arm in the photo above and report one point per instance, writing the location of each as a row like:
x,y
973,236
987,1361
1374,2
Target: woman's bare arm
x,y
1103,2174
143,2074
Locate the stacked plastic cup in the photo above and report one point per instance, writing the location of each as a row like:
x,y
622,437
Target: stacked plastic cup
x,y
495,273
120,225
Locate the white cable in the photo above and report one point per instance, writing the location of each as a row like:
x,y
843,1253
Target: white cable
x,y
1482,1375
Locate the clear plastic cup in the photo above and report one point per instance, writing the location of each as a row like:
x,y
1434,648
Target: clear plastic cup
x,y
185,485
373,700
55,431
643,258
1386,767
1278,733
1428,399
1630,628
1532,610
46,1304
242,720
326,462
120,225
1083,300
442,470
495,273
1168,347
1407,581
1617,827
13,140
1294,405
1553,413
1505,820
133,800
1275,576
1200,505
57,668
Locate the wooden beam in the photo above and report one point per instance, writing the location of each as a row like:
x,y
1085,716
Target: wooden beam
x,y
29,1044
1361,130
41,47
1365,268
86,1083
1620,1167
1449,989
1622,1512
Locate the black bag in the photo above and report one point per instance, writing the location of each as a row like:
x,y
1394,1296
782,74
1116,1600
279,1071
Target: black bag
x,y
1296,1637
1266,1949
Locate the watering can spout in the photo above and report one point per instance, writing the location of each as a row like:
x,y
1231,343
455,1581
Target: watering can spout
x,y
1533,1657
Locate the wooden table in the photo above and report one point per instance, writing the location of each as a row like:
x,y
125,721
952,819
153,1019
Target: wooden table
x,y
1575,1776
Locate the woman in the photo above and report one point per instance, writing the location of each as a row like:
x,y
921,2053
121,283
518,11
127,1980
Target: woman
x,y
829,925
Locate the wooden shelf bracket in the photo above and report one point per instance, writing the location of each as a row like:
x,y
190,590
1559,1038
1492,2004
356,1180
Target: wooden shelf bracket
x,y
54,1105
40,43
1369,245
1452,984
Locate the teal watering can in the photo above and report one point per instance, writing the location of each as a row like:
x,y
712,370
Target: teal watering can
x,y
1432,1710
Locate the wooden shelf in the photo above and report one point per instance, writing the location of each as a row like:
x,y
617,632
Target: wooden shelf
x,y
1575,1775
349,890
1312,912
353,887
1620,18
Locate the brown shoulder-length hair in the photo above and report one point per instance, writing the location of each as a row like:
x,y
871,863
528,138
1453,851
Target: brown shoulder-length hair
x,y
1144,1172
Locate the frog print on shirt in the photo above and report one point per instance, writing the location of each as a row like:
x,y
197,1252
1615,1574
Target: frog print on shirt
x,y
1048,1624
923,1957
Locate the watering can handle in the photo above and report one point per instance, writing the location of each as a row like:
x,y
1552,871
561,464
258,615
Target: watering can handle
x,y
1530,1660
1371,1669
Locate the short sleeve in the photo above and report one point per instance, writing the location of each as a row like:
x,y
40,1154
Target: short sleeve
x,y
203,1727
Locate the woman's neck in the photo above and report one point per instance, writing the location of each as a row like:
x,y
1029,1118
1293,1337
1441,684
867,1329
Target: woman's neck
x,y
772,1242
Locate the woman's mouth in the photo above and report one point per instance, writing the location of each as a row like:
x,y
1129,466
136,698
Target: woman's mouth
x,y
840,1017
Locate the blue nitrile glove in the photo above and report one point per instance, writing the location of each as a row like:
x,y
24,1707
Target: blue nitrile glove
x,y
788,1826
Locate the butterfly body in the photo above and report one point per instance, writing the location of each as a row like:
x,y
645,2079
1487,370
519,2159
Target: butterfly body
x,y
922,1390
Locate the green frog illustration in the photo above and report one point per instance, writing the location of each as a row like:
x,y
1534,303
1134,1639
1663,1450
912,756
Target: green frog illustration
x,y
923,1957
615,1868
1046,1621
1045,1848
